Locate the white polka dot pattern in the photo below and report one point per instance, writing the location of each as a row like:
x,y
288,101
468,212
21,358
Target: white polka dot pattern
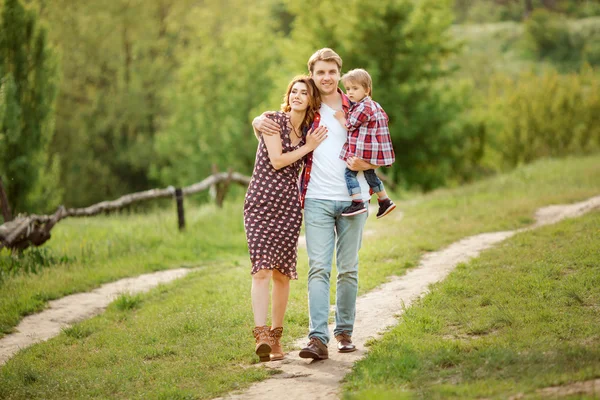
x,y
272,212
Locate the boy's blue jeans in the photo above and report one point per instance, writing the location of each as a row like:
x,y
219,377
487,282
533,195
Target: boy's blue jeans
x,y
372,179
326,231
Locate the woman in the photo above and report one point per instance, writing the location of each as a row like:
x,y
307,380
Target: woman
x,y
272,212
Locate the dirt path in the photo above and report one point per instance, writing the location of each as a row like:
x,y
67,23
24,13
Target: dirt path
x,y
588,388
71,309
299,379
378,310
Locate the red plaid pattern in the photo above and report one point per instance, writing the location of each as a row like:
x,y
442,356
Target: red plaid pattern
x,y
305,174
368,134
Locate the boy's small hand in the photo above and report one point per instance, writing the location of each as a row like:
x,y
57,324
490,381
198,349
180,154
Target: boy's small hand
x,y
341,117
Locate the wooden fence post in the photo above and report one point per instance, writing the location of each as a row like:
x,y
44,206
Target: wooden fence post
x,y
214,188
180,212
222,189
33,230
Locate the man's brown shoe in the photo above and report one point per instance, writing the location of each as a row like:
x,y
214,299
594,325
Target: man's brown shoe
x,y
345,344
315,349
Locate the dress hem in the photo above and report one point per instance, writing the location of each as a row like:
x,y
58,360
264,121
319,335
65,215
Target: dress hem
x,y
270,267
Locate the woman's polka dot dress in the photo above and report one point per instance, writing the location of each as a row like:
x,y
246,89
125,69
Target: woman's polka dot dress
x,y
272,212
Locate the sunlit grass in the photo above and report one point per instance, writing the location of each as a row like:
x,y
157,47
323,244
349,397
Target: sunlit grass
x,y
523,316
84,253
192,338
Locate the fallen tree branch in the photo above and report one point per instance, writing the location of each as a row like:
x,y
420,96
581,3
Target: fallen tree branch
x,y
128,199
26,230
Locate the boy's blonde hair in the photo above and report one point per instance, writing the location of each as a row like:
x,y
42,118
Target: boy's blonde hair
x,y
325,54
361,77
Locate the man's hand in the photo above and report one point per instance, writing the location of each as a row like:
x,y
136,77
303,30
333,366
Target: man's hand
x,y
266,126
358,164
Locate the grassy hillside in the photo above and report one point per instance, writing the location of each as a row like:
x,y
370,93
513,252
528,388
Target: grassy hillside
x,y
520,318
191,338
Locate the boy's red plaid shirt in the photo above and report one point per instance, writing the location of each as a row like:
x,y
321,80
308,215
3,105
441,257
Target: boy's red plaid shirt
x,y
368,134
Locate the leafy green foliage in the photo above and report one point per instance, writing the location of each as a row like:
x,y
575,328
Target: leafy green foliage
x,y
223,84
551,37
542,116
405,46
118,60
485,11
30,261
27,94
155,94
522,108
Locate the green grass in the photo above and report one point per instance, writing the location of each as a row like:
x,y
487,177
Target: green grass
x,y
187,340
504,202
521,317
85,253
191,338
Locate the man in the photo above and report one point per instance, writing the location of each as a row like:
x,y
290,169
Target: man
x,y
324,195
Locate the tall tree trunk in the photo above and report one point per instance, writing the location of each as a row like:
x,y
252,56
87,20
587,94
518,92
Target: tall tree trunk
x,y
6,214
128,55
528,7
549,4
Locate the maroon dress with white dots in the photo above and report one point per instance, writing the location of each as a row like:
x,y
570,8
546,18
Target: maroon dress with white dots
x,y
272,212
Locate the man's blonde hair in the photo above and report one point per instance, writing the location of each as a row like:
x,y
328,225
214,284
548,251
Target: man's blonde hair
x,y
361,77
325,54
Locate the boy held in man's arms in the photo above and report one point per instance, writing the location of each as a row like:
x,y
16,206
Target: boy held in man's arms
x,y
368,138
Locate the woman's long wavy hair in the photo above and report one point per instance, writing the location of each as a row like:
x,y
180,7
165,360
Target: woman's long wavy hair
x,y
314,100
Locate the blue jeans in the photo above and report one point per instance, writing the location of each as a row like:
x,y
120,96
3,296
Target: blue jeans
x,y
372,179
326,231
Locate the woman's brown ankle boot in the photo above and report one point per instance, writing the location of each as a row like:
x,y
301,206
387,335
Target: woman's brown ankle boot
x,y
276,350
263,346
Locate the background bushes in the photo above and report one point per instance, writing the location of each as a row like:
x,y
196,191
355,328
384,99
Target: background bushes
x,y
547,115
550,36
149,97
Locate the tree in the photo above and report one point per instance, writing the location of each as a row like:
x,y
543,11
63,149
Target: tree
x,y
28,89
528,7
226,80
405,46
119,60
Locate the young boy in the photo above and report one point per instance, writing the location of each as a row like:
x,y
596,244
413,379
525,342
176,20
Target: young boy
x,y
368,139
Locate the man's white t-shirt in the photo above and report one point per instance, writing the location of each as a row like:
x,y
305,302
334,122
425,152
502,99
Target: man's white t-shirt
x,y
327,180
